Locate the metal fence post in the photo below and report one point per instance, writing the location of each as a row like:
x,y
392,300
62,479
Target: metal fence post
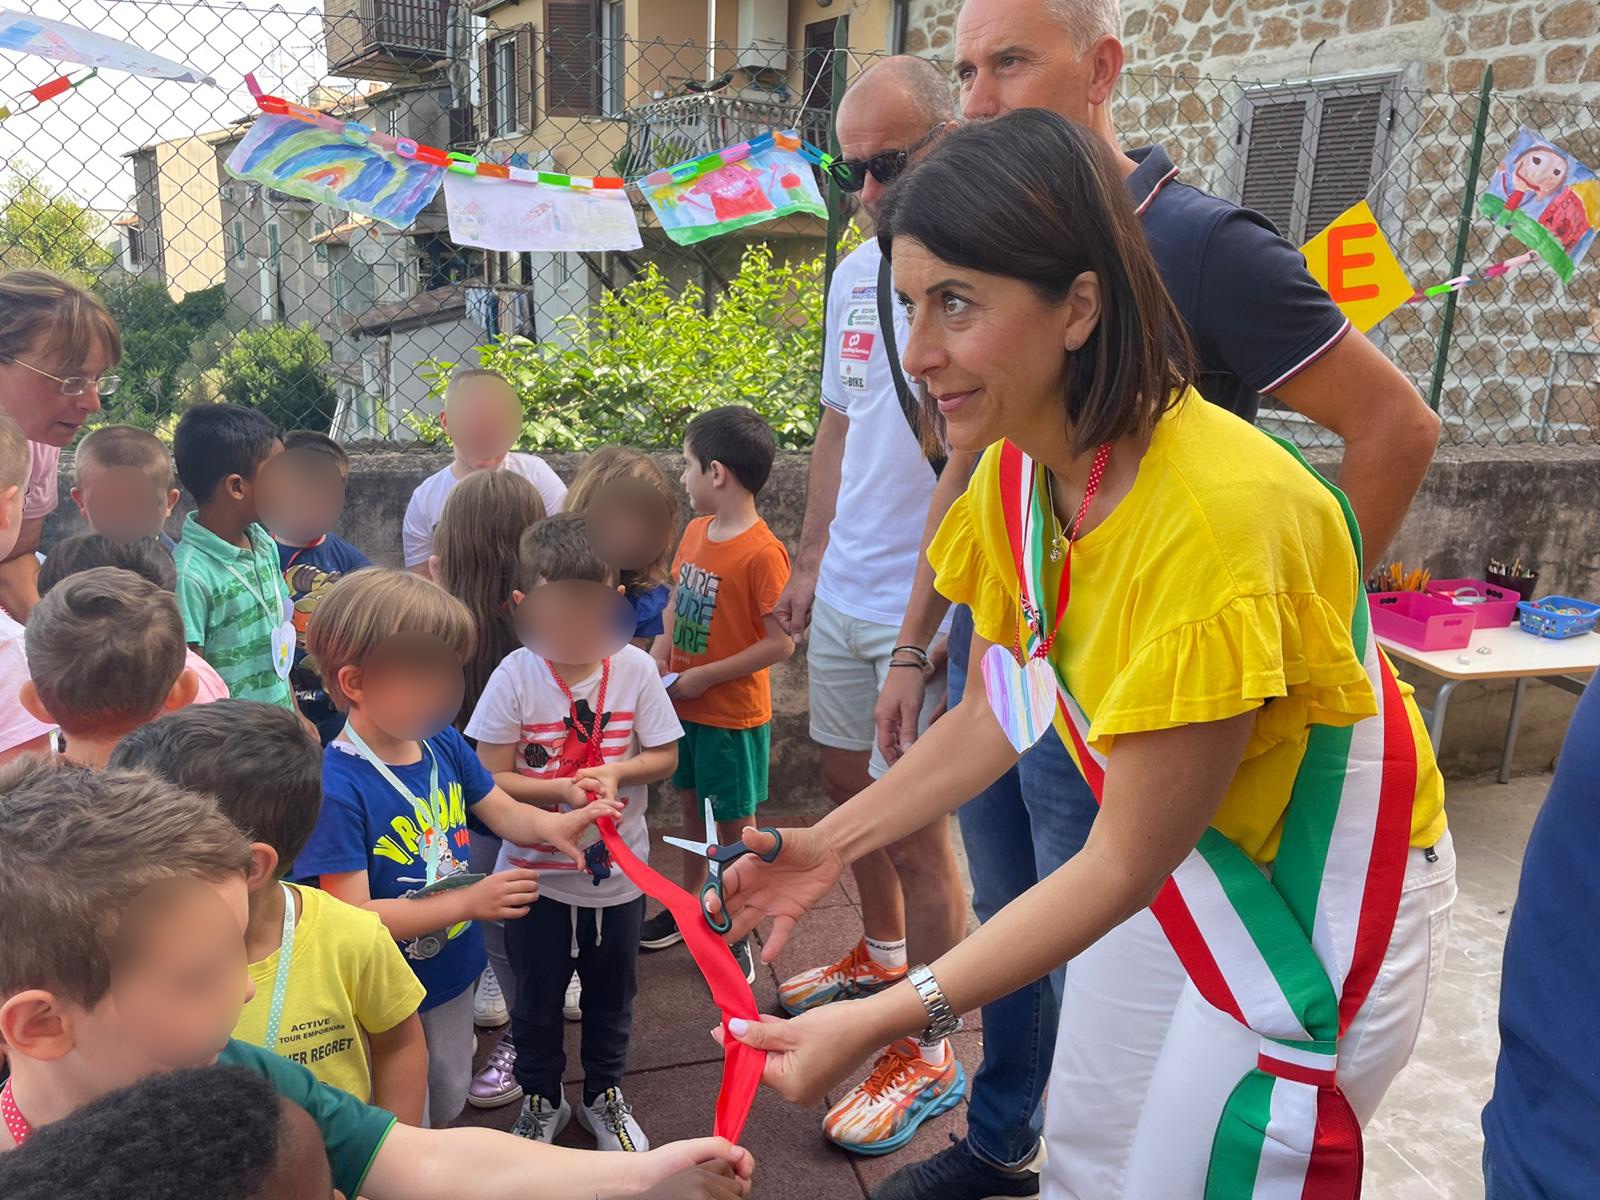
x,y
838,68
1463,231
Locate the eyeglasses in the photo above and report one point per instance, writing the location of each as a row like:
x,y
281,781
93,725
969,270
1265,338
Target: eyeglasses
x,y
851,174
77,385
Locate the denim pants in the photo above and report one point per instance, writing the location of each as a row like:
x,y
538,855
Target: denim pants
x,y
1017,831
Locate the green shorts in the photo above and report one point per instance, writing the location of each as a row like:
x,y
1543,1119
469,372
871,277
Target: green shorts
x,y
726,766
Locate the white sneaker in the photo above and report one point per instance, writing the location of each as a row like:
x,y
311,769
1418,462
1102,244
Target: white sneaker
x,y
538,1122
610,1119
572,1010
489,1009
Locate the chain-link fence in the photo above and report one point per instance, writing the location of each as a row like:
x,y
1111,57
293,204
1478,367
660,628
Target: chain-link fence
x,y
229,289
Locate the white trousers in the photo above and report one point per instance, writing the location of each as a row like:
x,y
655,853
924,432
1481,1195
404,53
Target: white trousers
x,y
1144,1064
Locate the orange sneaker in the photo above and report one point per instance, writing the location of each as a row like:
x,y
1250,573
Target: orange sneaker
x,y
856,974
882,1113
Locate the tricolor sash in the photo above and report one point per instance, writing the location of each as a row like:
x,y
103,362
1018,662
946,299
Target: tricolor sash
x,y
1293,957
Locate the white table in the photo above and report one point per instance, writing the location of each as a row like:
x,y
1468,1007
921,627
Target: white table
x,y
1505,653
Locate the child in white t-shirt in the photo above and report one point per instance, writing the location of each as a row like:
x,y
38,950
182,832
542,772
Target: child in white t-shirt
x,y
589,716
483,417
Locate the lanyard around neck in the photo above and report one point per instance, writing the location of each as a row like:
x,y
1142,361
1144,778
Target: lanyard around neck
x,y
16,1123
433,838
280,981
253,585
1036,631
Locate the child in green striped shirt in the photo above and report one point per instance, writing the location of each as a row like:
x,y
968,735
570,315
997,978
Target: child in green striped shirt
x,y
235,606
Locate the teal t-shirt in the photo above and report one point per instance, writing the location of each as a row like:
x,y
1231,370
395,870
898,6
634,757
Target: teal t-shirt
x,y
352,1132
231,600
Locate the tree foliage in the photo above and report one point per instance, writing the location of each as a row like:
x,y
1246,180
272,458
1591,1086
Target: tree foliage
x,y
281,370
41,228
637,365
160,339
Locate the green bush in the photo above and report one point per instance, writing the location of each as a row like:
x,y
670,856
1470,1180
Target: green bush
x,y
634,368
158,342
281,370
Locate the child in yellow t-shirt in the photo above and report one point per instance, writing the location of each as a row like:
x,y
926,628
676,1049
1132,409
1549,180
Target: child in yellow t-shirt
x,y
346,987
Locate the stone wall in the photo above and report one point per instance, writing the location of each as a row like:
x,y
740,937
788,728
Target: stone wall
x,y
1524,364
1537,504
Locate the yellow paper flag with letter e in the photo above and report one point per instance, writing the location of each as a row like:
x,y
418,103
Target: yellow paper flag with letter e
x,y
1352,260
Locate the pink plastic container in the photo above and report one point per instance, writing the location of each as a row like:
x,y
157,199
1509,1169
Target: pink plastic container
x,y
1417,619
1493,606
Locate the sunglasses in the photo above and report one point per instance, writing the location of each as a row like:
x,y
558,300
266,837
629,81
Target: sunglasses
x,y
851,174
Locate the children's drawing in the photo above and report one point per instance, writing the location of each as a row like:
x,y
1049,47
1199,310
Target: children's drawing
x,y
305,160
1548,200
28,34
502,214
768,183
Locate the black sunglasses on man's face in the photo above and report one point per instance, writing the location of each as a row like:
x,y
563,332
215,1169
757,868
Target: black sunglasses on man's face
x,y
851,174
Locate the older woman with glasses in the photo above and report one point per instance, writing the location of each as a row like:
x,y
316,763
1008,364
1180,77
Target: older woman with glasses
x,y
58,345
1254,924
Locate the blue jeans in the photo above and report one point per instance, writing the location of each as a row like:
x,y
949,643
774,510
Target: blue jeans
x,y
1044,806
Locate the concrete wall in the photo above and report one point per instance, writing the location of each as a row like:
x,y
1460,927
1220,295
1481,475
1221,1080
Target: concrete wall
x,y
1475,503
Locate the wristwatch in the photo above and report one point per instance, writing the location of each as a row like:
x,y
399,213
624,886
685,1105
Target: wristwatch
x,y
942,1019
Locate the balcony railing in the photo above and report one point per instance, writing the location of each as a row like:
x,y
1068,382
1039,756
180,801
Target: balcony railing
x,y
669,131
384,39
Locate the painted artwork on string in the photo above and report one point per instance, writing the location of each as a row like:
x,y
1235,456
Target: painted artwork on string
x,y
1546,199
771,182
504,214
61,42
314,163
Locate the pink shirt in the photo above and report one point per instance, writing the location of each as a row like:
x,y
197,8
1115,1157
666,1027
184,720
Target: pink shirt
x,y
211,685
42,494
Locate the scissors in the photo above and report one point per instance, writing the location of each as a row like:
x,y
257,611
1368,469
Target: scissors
x,y
718,857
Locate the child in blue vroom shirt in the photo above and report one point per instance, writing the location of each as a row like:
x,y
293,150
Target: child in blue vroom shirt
x,y
398,785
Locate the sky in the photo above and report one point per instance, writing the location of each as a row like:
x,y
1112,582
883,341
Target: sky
x,y
78,140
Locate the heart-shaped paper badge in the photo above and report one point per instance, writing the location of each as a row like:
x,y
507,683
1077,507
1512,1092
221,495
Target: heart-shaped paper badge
x,y
1023,697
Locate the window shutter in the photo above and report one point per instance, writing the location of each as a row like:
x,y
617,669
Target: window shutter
x,y
527,113
485,87
1347,135
571,58
1272,162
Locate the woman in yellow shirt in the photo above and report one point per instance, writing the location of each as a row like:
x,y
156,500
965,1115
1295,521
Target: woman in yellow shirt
x,y
1252,927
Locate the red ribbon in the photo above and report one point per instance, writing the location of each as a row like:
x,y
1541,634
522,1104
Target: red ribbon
x,y
742,1065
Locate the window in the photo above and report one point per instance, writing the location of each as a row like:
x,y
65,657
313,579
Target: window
x,y
1312,151
818,61
572,57
273,244
613,69
503,87
392,122
238,241
317,230
133,248
402,278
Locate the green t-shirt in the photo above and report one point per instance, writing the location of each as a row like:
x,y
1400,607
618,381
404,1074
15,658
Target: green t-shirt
x,y
352,1132
231,600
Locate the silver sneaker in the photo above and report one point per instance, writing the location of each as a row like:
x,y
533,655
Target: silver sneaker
x,y
538,1122
610,1119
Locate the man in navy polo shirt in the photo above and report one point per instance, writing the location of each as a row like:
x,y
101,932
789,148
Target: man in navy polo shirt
x,y
1260,325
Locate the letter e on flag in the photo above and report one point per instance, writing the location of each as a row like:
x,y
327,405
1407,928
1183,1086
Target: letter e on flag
x,y
1352,260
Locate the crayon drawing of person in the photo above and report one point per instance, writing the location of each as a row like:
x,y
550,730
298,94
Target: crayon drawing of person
x,y
1535,175
735,191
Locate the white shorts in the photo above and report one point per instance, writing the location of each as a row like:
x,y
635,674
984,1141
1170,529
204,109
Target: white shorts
x,y
1144,1064
848,661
